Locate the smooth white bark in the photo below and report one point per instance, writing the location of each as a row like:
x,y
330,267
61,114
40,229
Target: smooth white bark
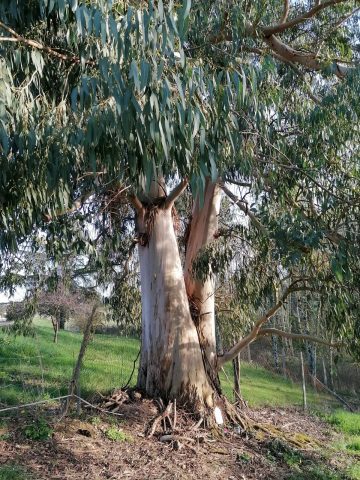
x,y
171,364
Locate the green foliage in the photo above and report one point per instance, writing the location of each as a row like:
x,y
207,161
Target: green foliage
x,y
117,435
95,420
38,429
354,445
124,92
354,471
126,305
316,472
212,260
21,314
243,457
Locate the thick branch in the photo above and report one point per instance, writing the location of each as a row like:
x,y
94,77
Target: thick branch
x,y
136,203
236,349
239,346
35,44
175,194
296,336
308,60
284,25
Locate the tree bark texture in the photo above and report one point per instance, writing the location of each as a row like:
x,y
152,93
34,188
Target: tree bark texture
x,y
204,225
172,362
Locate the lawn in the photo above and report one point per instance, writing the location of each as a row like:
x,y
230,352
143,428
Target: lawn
x,y
34,368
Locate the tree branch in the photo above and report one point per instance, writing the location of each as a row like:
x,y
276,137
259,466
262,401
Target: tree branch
x,y
285,12
296,336
308,60
235,182
284,25
75,206
244,207
8,39
236,349
175,194
239,346
135,202
35,44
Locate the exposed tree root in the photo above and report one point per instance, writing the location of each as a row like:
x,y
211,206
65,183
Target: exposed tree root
x,y
171,425
164,415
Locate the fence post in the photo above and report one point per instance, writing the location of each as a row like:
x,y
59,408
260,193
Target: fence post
x,y
75,380
78,401
325,375
303,381
249,353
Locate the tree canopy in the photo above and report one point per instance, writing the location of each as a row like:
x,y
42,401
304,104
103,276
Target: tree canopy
x,y
99,97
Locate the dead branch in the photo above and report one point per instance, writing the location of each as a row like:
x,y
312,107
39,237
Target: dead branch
x,y
334,394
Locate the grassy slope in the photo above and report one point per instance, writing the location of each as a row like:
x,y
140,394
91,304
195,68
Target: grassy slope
x,y
36,368
32,368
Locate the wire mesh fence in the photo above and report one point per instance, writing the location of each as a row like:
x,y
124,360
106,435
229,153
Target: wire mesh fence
x,y
35,368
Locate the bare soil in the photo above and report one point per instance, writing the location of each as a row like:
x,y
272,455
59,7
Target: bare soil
x,y
81,448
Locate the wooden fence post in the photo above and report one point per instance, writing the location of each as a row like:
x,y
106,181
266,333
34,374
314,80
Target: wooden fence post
x,y
303,381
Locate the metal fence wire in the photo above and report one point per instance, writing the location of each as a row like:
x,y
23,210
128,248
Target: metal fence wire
x,y
35,369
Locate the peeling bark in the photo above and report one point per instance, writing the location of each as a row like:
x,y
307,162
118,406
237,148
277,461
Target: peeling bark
x,y
171,364
204,226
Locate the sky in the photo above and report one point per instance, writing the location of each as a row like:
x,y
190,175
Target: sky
x,y
17,297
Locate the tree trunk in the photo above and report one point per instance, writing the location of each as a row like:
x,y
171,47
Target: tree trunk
x,y
204,226
55,324
62,319
171,363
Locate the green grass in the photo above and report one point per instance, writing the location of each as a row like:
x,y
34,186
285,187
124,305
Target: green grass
x,y
346,422
35,368
14,472
260,387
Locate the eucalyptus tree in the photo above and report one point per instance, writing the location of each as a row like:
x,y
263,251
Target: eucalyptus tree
x,y
103,104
